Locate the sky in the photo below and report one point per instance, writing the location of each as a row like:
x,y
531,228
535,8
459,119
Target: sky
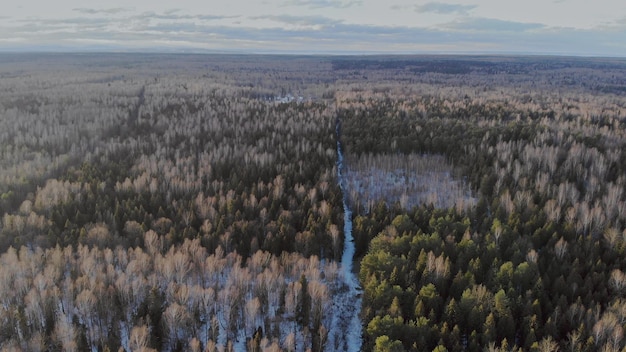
x,y
552,27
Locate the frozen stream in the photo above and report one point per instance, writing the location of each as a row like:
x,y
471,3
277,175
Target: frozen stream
x,y
346,328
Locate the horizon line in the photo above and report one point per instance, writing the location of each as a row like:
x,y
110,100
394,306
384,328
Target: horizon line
x,y
351,53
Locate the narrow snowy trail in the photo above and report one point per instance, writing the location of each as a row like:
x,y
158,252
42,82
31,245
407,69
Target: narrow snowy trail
x,y
346,329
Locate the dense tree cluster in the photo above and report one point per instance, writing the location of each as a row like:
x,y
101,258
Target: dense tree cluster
x,y
181,298
196,207
186,160
191,202
537,262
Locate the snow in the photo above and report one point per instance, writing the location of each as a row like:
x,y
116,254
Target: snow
x,y
410,179
346,328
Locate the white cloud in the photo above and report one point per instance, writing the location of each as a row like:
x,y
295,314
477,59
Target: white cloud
x,y
491,25
110,11
340,4
444,8
318,26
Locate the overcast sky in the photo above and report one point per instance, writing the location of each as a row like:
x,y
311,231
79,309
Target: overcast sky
x,y
568,27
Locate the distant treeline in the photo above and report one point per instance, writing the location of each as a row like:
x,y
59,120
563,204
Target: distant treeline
x,y
464,65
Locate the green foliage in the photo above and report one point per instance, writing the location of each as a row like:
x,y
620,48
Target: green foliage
x,y
515,268
384,344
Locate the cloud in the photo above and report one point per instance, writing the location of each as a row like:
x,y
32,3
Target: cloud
x,y
288,33
492,25
171,11
12,40
339,34
111,11
617,25
312,21
307,33
444,8
171,15
338,4
398,7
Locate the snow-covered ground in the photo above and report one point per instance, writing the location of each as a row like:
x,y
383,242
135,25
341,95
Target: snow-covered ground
x,y
346,328
411,179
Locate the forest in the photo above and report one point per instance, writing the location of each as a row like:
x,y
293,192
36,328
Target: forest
x,y
193,202
537,263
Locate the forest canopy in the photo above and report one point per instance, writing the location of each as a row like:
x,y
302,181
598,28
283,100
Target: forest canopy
x,y
192,202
